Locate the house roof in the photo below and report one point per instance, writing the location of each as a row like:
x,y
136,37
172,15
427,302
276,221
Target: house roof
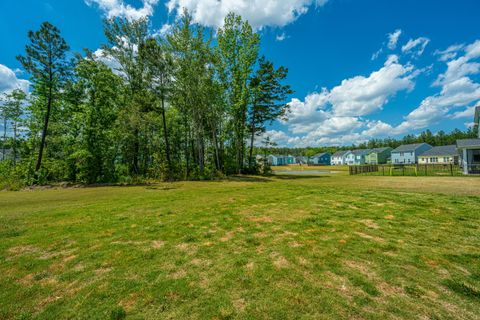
x,y
441,151
361,152
465,143
409,147
340,153
380,150
318,155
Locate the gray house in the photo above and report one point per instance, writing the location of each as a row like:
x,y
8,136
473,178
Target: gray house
x,y
409,153
469,150
470,155
357,157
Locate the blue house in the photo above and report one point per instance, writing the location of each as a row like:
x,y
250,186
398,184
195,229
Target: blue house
x,y
409,153
281,160
276,160
321,158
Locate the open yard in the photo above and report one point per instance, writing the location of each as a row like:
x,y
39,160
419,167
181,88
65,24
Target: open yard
x,y
285,247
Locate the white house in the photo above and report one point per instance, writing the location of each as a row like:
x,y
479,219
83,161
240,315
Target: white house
x,y
338,158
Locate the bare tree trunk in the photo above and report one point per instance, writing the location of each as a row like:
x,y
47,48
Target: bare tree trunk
x,y
187,155
167,144
252,139
14,143
4,136
45,127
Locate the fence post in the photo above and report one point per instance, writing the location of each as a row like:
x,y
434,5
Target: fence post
x,y
451,169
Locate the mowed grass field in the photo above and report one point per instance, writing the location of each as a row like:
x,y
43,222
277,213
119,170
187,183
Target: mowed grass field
x,y
324,247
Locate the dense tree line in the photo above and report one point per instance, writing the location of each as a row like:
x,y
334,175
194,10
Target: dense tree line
x,y
185,106
438,139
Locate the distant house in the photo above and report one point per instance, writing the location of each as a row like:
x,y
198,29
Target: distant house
x,y
280,160
356,157
8,155
301,160
378,156
321,158
440,155
276,160
338,158
408,153
469,149
290,159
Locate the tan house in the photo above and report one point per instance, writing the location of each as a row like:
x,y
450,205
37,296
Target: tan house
x,y
440,155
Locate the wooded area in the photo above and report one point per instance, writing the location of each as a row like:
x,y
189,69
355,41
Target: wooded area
x,y
186,105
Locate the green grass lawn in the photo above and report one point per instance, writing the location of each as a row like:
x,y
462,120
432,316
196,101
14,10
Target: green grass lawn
x,y
252,248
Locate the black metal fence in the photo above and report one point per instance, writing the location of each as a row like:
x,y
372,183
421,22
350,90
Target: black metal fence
x,y
408,170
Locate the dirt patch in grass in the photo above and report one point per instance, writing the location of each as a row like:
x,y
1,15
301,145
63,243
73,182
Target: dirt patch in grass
x,y
369,237
157,244
279,261
264,219
370,224
188,248
178,274
228,236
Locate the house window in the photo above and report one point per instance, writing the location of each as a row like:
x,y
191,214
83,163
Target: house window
x,y
401,154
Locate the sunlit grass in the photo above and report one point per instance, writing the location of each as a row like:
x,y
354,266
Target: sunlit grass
x,y
250,248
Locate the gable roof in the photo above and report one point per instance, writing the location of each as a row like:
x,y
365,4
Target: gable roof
x,y
464,143
319,155
450,150
380,150
409,147
361,152
340,153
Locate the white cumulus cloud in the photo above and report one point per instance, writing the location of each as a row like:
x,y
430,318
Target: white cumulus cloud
x,y
118,8
458,90
9,80
259,13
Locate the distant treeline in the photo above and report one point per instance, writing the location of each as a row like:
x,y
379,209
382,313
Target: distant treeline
x,y
439,139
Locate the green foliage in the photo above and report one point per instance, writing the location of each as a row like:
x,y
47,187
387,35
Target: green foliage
x,y
118,314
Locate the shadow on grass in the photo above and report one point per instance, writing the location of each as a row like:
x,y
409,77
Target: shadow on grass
x,y
298,176
462,288
243,178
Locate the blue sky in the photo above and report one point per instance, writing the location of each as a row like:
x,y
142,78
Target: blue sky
x,y
360,69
